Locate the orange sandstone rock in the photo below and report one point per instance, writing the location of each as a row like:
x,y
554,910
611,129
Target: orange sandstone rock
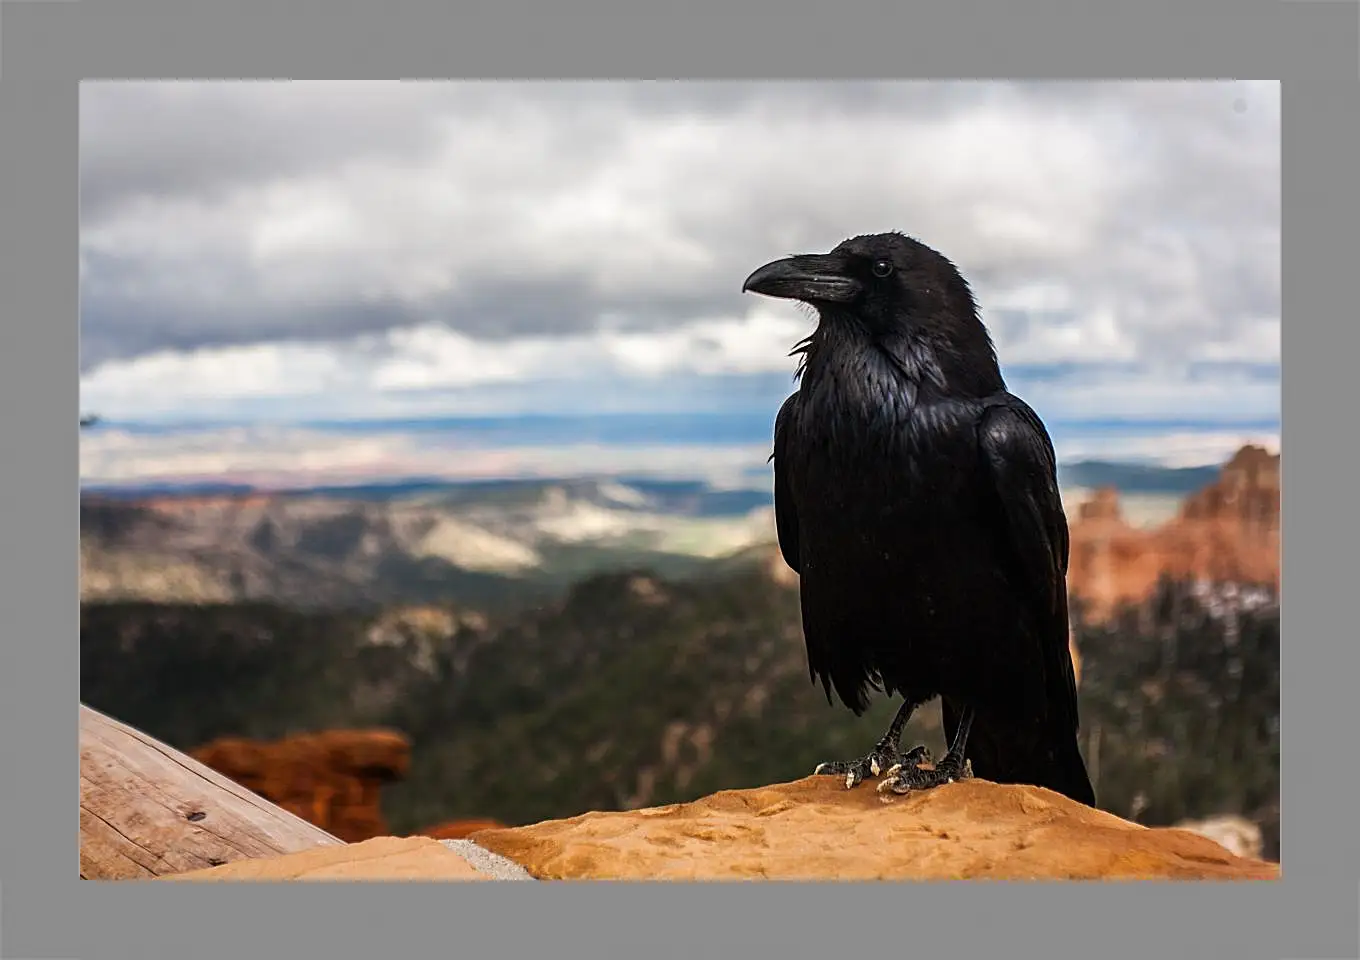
x,y
815,829
459,829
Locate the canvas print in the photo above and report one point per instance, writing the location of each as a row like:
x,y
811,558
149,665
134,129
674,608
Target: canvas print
x,y
680,480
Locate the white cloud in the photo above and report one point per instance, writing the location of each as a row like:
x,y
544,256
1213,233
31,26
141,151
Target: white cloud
x,y
1094,337
432,370
374,372
1165,393
1256,340
172,381
1177,449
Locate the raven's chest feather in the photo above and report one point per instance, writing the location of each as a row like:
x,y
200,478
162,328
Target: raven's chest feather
x,y
891,500
865,445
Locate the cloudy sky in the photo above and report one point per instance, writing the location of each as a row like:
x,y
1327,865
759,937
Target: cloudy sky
x,y
349,280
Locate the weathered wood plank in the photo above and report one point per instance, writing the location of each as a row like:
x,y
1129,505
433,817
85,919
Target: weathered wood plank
x,y
147,810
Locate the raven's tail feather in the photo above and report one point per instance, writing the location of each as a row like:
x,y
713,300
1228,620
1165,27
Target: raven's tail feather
x,y
1066,773
999,753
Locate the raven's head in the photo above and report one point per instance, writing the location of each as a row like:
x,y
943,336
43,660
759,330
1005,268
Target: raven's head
x,y
887,280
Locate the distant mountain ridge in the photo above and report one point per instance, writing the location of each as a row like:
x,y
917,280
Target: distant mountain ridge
x,y
1127,477
1136,478
486,543
693,497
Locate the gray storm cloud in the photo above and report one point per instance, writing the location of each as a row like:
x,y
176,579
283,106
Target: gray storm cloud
x,y
218,214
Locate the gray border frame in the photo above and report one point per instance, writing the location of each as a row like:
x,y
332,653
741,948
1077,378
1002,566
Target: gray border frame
x,y
48,47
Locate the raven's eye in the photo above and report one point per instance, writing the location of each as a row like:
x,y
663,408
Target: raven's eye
x,y
882,268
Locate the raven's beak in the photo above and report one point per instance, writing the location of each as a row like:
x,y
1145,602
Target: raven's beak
x,y
812,278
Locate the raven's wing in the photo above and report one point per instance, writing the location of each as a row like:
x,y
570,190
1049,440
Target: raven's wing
x,y
1018,456
834,664
785,514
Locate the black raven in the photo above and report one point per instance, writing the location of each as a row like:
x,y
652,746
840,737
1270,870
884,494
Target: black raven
x,y
918,501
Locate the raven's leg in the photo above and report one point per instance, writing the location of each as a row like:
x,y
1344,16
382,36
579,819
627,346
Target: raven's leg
x,y
886,753
955,766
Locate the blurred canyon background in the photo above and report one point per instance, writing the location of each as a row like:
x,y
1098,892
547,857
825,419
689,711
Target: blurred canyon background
x,y
423,471
428,660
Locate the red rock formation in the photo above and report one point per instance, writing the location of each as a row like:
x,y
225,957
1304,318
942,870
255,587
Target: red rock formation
x,y
1227,532
331,779
1230,530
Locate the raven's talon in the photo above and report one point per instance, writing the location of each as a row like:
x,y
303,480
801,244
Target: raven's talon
x,y
917,755
914,778
853,770
893,784
882,760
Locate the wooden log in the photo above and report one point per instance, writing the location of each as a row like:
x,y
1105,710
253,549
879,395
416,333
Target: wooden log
x,y
147,810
